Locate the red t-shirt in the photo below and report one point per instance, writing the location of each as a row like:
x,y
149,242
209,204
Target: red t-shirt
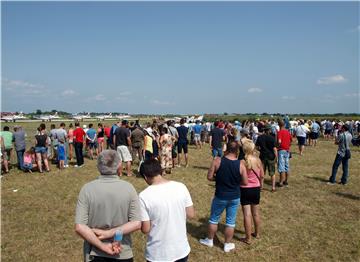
x,y
79,134
107,131
284,140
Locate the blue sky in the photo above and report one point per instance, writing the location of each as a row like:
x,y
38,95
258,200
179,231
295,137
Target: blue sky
x,y
181,57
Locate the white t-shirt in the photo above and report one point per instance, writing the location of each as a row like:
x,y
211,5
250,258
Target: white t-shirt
x,y
164,206
302,130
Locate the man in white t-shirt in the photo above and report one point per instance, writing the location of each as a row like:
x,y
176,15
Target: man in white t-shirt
x,y
164,205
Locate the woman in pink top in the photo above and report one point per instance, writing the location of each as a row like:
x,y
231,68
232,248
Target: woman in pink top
x,y
71,140
29,160
250,194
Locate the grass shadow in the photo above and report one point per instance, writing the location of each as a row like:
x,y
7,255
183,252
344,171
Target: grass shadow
x,y
318,178
201,167
201,231
347,195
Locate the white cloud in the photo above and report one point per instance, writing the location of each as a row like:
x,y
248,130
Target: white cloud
x,y
288,97
330,80
99,97
68,92
352,95
254,90
19,84
20,88
161,103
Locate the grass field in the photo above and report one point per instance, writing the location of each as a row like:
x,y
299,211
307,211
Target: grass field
x,y
308,221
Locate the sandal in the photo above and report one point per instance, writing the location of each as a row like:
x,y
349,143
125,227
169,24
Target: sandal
x,y
244,240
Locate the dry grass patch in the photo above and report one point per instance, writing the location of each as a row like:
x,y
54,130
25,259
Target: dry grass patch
x,y
308,221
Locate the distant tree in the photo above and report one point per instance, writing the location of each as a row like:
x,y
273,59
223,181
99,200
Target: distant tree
x,y
38,112
225,113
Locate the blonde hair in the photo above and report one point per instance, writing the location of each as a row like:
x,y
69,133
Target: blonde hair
x,y
249,149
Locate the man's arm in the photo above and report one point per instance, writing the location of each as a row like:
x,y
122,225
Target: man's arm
x,y
190,212
86,233
213,168
210,141
126,228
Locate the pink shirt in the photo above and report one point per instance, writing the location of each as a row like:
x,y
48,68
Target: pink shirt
x,y
253,180
28,158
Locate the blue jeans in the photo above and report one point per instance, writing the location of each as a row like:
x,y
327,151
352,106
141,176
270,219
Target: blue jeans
x,y
217,152
20,158
283,161
345,166
217,207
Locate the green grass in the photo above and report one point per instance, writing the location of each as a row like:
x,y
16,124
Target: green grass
x,y
308,221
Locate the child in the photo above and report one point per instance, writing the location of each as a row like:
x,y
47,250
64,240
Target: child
x,y
29,160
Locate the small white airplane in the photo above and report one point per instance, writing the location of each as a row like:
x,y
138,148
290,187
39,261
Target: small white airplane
x,y
123,116
81,117
45,118
13,117
103,117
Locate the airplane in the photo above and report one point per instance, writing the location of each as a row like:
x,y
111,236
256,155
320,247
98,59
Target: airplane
x,y
81,117
13,117
103,117
45,118
123,116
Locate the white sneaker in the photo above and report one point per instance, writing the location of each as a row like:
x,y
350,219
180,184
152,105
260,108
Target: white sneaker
x,y
207,242
228,247
66,166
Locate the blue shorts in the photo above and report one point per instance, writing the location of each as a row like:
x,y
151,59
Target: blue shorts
x,y
283,161
41,149
92,145
301,140
217,152
217,207
28,166
61,152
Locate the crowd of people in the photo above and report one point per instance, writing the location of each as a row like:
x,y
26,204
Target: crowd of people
x,y
108,206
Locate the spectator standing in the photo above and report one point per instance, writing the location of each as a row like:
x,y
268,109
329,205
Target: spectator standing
x,y
8,140
107,203
284,142
122,142
301,132
228,174
315,131
166,143
79,135
71,141
217,137
174,133
250,193
20,145
137,142
197,128
61,137
41,149
164,206
266,144
183,142
91,141
342,156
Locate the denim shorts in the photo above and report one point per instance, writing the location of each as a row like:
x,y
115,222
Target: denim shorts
x,y
301,140
28,166
217,152
283,161
40,149
217,208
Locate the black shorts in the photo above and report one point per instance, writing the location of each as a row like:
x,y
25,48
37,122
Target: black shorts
x,y
314,135
328,131
250,196
182,146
